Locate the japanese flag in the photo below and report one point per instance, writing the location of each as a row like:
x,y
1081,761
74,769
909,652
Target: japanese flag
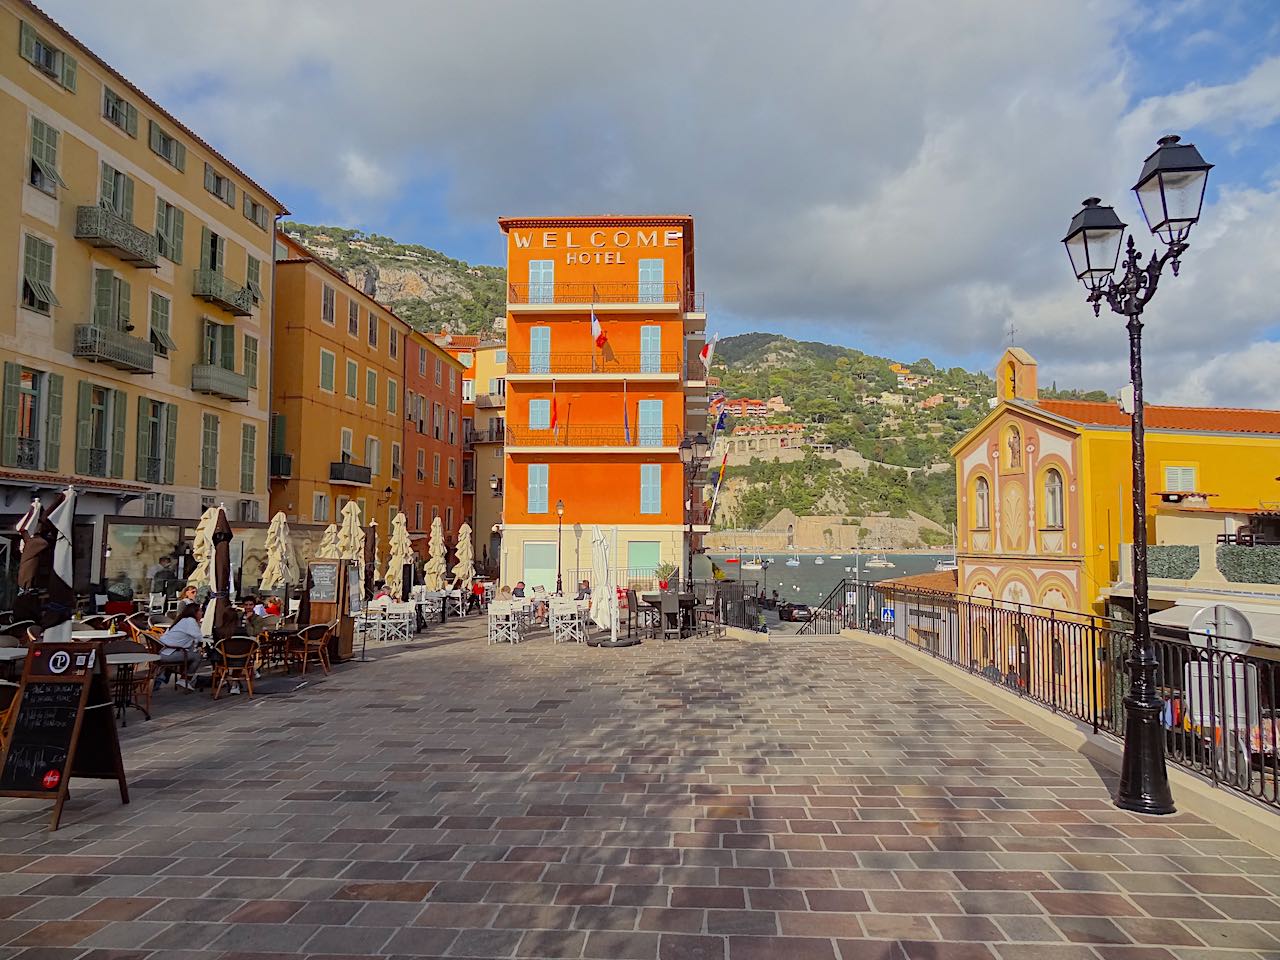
x,y
708,351
597,331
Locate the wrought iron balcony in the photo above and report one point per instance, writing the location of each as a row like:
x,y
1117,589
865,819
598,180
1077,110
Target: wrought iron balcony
x,y
97,462
213,287
150,472
28,453
218,381
491,400
344,471
598,362
105,229
281,465
116,348
595,435
598,295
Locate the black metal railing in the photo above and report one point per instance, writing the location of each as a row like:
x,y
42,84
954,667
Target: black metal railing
x,y
596,294
97,462
149,470
1222,698
28,453
594,435
631,363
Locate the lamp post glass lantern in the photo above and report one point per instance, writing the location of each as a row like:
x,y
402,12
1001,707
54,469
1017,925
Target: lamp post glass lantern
x,y
559,543
1170,191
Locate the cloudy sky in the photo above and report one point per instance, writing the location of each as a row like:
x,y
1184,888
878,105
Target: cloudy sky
x,y
894,175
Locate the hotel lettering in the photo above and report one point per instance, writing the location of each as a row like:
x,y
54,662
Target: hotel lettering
x,y
597,246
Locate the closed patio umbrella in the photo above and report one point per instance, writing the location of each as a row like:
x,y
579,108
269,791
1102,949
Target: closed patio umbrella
x,y
282,567
401,554
224,620
202,550
464,569
370,558
433,572
60,601
328,549
350,542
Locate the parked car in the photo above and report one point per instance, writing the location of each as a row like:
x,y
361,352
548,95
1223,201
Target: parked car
x,y
795,612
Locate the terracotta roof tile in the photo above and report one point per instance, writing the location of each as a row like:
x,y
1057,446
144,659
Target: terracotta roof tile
x,y
935,581
1204,419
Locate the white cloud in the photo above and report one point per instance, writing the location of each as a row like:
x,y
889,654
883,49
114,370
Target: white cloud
x,y
882,174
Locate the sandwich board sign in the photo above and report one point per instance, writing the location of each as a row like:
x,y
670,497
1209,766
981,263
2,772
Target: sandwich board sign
x,y
60,726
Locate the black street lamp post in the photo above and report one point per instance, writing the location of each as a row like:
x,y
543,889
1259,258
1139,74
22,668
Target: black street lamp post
x,y
1171,192
693,454
559,541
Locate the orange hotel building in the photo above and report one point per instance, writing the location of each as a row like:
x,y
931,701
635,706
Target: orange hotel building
x,y
598,427
338,383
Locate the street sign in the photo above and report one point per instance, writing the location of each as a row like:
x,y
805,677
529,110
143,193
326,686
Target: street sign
x,y
886,614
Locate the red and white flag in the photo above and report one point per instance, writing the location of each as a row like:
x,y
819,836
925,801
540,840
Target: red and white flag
x,y
597,331
708,351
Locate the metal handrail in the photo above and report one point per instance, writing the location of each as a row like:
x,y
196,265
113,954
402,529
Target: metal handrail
x,y
114,347
594,435
595,362
582,292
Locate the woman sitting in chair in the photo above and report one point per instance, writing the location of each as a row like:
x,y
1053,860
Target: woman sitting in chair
x,y
180,644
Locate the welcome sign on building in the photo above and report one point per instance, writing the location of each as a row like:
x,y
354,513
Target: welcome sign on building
x,y
580,246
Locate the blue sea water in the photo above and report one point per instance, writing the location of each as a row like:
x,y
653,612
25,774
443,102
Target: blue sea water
x,y
811,582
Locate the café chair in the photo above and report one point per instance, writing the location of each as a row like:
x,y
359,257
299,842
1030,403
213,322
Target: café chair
x,y
310,643
640,616
8,697
234,660
670,614
505,622
566,622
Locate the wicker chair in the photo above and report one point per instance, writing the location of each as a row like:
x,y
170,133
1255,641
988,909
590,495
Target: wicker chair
x,y
310,643
234,660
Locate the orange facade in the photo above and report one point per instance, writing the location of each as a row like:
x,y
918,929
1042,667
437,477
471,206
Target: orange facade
x,y
596,411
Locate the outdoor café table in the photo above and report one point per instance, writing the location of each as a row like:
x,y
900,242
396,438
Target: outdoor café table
x,y
275,641
98,635
123,681
9,657
687,600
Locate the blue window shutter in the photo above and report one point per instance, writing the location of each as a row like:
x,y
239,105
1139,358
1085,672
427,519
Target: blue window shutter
x,y
651,349
542,281
650,423
539,414
651,286
650,488
539,349
538,482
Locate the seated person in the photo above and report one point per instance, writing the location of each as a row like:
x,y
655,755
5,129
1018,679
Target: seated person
x,y
540,603
584,590
180,644
274,607
380,591
505,593
518,592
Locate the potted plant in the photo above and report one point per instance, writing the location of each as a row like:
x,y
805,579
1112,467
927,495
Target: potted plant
x,y
664,572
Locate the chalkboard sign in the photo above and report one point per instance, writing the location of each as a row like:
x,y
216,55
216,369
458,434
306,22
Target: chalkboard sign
x,y
324,581
60,726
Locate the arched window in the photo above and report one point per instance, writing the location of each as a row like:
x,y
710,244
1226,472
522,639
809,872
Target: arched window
x,y
1013,440
982,504
1053,500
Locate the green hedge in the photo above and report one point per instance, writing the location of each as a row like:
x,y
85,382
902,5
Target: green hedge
x,y
1249,564
1173,561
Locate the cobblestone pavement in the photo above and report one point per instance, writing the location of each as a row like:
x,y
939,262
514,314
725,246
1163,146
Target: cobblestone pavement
x,y
800,800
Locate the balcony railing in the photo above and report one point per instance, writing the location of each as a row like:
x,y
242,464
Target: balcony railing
x,y
114,348
695,302
281,464
344,471
150,470
597,294
491,400
595,435
97,462
28,453
558,364
213,287
106,230
219,382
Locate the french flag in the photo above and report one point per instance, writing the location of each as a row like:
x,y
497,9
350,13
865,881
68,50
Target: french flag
x,y
597,331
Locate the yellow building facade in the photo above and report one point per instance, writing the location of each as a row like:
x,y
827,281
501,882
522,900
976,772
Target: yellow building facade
x,y
1044,488
338,390
138,268
488,376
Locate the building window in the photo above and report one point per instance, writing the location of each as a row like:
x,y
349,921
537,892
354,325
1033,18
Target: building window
x,y
353,379
395,461
170,225
209,452
117,192
45,57
422,466
448,518
651,349
220,186
373,454
982,504
417,515
327,299
542,288
353,318
453,427
157,440
251,360
393,395
371,387
422,361
167,147
320,507
393,341
327,360
256,212
248,456
1053,500
435,469
453,381
439,371
649,421
220,345
650,488
161,338
373,329
1180,479
213,250
466,359
453,472
539,349
33,420
111,300
539,414
253,278
651,286
539,474
158,505
44,158
498,386
37,275
346,442
437,421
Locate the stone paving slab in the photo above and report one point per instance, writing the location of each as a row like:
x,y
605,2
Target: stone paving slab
x,y
802,800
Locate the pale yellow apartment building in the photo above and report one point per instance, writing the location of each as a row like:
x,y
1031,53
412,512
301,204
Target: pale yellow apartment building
x,y
488,375
137,265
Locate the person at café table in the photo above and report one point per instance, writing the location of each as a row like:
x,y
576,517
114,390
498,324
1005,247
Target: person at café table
x,y
380,591
584,590
540,603
518,592
505,593
180,644
274,606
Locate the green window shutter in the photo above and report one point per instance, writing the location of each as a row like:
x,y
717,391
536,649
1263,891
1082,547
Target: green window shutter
x,y
277,433
153,135
108,186
9,446
179,155
162,228
248,456
175,241
220,253
126,208
124,295
69,73
144,439
210,179
84,428
204,249
230,196
170,439
228,347
53,421
103,290
119,412
131,119
27,42
251,360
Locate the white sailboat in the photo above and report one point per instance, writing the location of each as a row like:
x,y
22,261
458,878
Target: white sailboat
x,y
879,561
755,563
794,560
818,561
943,563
